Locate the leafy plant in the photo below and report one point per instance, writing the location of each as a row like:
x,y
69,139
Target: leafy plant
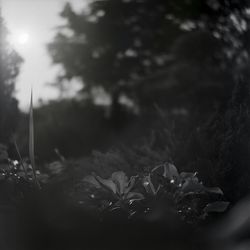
x,y
191,199
183,192
120,190
18,176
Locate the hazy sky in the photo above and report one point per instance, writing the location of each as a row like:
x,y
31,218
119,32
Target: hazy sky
x,y
32,24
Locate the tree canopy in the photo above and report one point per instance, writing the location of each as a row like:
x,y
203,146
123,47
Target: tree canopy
x,y
116,44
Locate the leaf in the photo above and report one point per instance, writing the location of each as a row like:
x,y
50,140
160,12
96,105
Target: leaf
x,y
121,181
43,178
56,167
92,180
107,183
214,190
131,184
134,196
192,185
31,140
169,171
185,175
218,207
31,133
149,186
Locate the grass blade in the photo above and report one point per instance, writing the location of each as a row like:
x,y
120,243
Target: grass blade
x,y
31,140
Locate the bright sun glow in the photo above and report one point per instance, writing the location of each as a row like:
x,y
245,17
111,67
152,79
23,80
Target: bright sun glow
x,y
20,39
23,38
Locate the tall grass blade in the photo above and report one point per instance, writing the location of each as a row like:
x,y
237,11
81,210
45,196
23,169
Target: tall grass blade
x,y
31,140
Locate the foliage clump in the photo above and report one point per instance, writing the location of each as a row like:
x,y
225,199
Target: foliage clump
x,y
182,193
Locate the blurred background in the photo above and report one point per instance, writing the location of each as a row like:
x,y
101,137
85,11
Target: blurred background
x,y
114,73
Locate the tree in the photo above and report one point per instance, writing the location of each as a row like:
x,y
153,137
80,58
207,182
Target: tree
x,y
9,68
115,44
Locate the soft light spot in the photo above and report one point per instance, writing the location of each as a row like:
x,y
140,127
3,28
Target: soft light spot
x,y
23,38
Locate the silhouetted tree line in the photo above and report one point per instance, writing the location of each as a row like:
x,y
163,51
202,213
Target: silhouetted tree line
x,y
154,51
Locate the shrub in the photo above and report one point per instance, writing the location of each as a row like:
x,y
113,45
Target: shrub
x,y
181,192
